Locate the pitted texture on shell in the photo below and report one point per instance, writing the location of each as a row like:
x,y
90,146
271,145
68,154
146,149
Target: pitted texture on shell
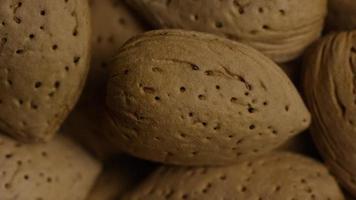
x,y
280,29
56,170
278,177
44,47
112,25
190,98
330,90
342,15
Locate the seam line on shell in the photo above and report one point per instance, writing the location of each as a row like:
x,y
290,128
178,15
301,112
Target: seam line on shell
x,y
341,106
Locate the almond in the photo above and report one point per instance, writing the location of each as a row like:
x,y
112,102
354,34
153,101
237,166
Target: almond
x,y
280,29
58,170
44,50
276,176
190,98
329,86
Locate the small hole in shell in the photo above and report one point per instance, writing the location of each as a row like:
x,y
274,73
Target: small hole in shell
x,y
182,89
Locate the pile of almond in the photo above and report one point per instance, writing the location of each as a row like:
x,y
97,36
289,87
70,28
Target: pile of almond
x,y
177,99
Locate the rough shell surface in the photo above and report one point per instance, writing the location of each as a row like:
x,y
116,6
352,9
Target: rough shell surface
x,y
280,29
85,121
341,15
44,49
276,176
330,87
190,98
56,170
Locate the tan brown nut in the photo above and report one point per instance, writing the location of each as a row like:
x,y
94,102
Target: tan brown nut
x,y
44,54
329,86
276,176
191,98
278,28
58,170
